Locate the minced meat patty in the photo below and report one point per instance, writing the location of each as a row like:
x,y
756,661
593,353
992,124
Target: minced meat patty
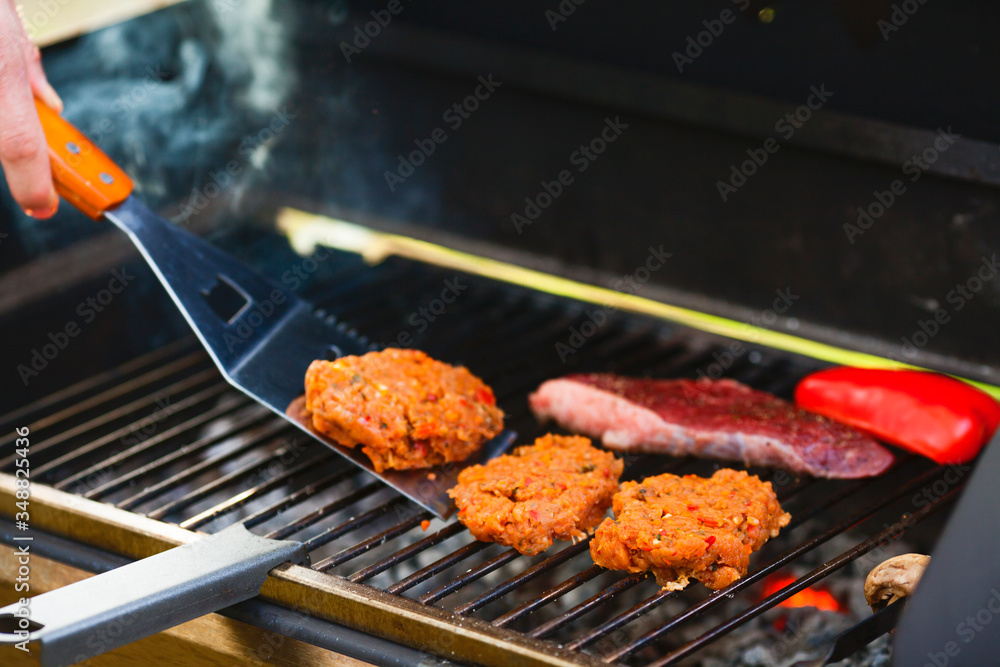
x,y
405,409
559,487
689,527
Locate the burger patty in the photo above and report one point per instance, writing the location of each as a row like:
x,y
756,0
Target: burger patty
x,y
720,419
405,409
558,488
689,527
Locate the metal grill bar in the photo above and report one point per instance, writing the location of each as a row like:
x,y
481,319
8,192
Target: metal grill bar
x,y
548,596
375,540
110,395
527,379
192,402
146,401
523,578
406,553
210,488
470,576
150,359
271,511
324,511
118,413
623,584
437,566
267,434
643,607
239,500
253,415
333,533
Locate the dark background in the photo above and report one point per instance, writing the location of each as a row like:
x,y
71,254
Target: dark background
x,y
221,76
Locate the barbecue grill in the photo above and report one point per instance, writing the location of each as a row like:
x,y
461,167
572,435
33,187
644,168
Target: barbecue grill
x,y
138,444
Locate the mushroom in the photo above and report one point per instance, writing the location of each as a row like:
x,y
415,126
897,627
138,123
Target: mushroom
x,y
894,579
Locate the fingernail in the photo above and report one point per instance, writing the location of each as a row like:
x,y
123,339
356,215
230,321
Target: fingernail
x,y
44,213
57,102
52,99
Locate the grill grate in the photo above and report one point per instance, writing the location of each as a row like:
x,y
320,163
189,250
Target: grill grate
x,y
165,437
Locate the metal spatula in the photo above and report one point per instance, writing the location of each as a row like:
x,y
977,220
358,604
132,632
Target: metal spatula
x,y
261,336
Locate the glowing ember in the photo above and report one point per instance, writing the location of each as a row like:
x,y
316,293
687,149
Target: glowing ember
x,y
810,597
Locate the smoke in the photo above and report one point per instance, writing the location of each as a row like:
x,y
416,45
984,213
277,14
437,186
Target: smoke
x,y
170,96
254,50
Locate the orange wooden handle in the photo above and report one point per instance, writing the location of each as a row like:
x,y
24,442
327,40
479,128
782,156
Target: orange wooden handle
x,y
83,174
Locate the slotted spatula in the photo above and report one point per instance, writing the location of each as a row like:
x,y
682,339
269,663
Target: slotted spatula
x,y
261,336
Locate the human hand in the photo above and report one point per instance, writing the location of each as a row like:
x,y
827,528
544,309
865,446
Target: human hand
x,y
24,154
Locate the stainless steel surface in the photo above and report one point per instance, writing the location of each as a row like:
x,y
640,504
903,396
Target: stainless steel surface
x,y
142,598
265,337
948,620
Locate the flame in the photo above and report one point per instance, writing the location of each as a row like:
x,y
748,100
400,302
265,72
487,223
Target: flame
x,y
820,598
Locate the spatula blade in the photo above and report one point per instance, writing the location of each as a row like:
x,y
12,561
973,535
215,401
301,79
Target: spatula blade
x,y
263,338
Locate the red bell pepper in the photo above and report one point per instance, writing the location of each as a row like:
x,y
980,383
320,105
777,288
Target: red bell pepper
x,y
930,414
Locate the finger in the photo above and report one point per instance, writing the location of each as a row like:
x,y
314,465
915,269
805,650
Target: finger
x,y
23,152
39,82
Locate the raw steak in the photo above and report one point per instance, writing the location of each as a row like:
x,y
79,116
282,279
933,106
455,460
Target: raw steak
x,y
720,419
